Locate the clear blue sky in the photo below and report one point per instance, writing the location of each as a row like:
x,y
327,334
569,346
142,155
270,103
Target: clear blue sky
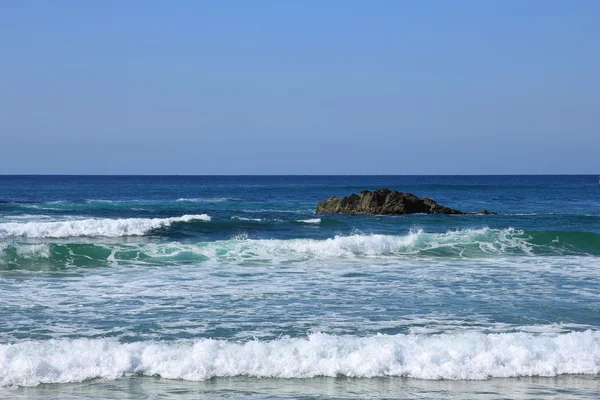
x,y
299,87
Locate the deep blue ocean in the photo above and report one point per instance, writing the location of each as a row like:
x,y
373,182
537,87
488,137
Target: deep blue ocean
x,y
189,287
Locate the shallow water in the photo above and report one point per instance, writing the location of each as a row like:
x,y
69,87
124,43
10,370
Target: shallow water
x,y
570,386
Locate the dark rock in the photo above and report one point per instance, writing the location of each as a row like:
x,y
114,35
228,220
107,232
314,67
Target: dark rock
x,y
486,212
382,202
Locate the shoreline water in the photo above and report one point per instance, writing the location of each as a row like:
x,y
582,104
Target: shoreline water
x,y
571,386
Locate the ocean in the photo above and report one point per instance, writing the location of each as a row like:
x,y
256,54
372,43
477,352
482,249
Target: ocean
x,y
186,287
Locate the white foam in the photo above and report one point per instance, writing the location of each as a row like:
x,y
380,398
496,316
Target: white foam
x,y
246,219
205,200
98,227
33,250
523,214
448,356
466,242
310,221
463,243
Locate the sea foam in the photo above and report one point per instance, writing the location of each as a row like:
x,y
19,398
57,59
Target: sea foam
x,y
205,200
449,356
96,227
310,221
467,243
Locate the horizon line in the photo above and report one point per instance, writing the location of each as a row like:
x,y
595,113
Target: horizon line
x,y
291,175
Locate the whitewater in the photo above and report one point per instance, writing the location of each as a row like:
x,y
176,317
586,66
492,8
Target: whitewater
x,y
465,356
232,287
91,227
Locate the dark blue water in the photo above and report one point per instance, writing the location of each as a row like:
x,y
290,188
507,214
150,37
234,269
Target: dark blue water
x,y
113,280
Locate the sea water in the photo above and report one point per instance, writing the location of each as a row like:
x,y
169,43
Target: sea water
x,y
232,287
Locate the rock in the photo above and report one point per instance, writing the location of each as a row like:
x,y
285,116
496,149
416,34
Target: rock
x,y
382,202
486,212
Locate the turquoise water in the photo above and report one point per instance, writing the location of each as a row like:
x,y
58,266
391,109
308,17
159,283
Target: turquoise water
x,y
229,287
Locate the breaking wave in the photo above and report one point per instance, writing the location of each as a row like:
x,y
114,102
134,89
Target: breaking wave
x,y
93,227
247,219
469,243
309,221
467,356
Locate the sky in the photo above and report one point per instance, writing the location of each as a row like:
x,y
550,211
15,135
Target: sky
x,y
299,87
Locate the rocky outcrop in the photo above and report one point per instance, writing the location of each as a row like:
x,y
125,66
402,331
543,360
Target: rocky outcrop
x,y
383,202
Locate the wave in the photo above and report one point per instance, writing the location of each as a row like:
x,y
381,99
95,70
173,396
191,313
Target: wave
x,y
464,243
310,221
466,356
93,227
468,243
247,219
206,199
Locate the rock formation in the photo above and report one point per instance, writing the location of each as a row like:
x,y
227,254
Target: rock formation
x,y
384,202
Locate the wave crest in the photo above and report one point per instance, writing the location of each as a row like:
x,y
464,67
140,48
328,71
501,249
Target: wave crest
x,y
468,243
448,356
309,221
93,227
